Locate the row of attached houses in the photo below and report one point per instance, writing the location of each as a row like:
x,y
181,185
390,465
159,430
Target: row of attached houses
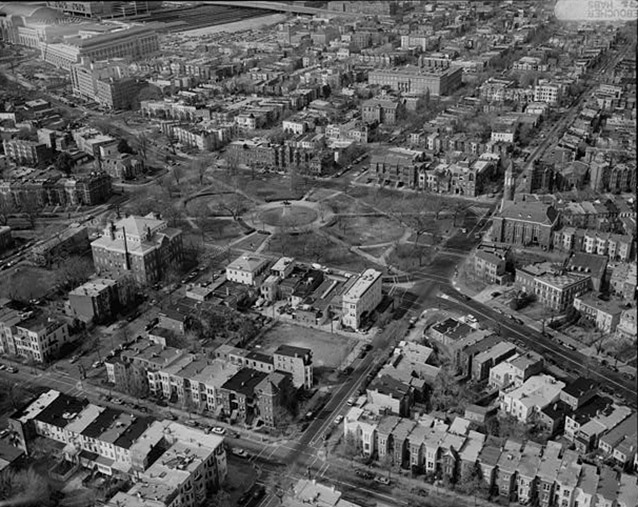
x,y
523,472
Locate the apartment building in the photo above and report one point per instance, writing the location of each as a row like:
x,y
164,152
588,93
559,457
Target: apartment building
x,y
142,247
515,370
553,287
379,111
398,166
621,442
247,270
604,314
418,80
297,361
94,301
531,397
106,82
25,152
361,298
548,92
548,472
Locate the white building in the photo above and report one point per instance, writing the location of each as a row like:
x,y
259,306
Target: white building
x,y
246,269
532,396
547,92
362,298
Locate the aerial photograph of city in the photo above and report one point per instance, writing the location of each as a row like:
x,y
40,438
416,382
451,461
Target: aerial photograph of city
x,y
318,253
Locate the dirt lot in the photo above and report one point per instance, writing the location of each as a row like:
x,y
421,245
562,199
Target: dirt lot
x,y
328,350
29,282
367,230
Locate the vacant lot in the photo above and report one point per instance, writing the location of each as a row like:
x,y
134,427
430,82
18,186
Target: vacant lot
x,y
328,350
366,230
26,282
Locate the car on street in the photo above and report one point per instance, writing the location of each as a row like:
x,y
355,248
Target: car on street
x,y
218,430
351,401
75,359
382,480
97,364
364,474
11,369
117,401
338,419
240,453
412,321
252,496
495,294
2,367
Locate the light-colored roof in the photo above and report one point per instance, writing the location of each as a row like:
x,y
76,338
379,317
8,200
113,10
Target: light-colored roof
x,y
363,283
247,263
537,391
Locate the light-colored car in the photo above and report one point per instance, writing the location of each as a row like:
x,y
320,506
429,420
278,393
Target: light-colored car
x,y
382,480
240,453
117,401
97,364
218,430
338,419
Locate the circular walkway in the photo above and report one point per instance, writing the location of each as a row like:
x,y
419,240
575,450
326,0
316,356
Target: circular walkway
x,y
288,216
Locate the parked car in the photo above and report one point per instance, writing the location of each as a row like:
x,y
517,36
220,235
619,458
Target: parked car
x,y
97,364
364,474
11,369
117,401
218,430
240,453
2,367
382,480
338,419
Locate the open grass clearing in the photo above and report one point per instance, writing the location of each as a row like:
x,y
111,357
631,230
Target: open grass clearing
x,y
366,230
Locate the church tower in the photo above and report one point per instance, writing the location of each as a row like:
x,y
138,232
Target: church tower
x,y
510,185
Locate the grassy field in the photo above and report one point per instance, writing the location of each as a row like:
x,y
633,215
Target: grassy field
x,y
367,230
319,194
251,242
27,283
314,247
328,350
345,204
375,251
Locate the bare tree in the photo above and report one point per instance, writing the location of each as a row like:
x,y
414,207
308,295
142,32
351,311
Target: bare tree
x,y
31,208
200,165
6,208
178,172
235,206
74,270
142,144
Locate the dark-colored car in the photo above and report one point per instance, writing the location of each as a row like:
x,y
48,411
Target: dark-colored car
x,y
252,496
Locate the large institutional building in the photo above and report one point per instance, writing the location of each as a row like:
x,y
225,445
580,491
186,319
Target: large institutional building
x,y
417,80
362,298
143,247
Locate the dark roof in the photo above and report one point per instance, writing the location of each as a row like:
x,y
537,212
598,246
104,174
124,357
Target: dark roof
x,y
579,387
482,345
258,356
101,423
557,410
453,328
491,451
292,351
62,410
245,381
530,211
390,386
589,263
589,410
133,432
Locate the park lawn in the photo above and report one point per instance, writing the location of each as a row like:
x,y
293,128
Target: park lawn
x,y
375,251
251,242
328,350
366,230
319,194
345,204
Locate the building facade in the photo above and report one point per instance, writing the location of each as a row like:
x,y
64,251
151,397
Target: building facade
x,y
362,298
